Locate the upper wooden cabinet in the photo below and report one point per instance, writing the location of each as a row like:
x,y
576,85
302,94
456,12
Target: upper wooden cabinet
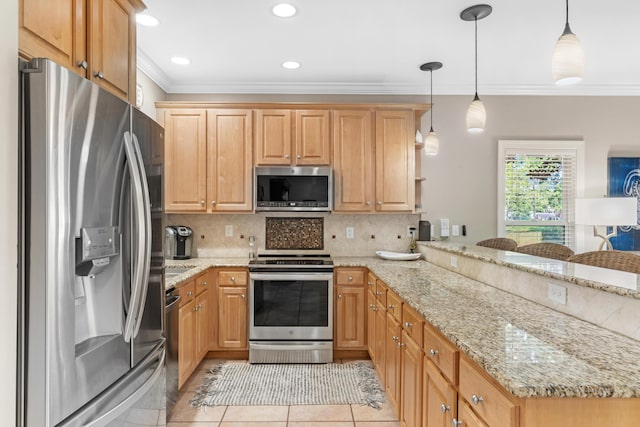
x,y
395,161
292,137
208,160
95,38
353,160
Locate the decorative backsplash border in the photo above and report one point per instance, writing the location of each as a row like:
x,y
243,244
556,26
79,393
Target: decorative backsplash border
x,y
294,233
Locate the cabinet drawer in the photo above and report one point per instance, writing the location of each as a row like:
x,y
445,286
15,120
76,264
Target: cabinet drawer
x,y
486,399
187,292
350,277
201,283
412,324
232,278
442,353
381,293
394,305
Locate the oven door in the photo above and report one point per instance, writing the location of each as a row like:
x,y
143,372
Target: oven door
x,y
294,305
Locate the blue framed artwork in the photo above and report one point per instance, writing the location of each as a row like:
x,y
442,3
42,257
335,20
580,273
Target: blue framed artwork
x,y
624,181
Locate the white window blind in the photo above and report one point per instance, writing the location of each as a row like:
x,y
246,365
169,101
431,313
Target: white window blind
x,y
539,188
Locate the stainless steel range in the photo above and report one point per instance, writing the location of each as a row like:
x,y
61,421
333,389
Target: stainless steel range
x,y
291,309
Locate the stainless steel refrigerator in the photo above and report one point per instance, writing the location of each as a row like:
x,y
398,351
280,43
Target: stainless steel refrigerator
x,y
92,345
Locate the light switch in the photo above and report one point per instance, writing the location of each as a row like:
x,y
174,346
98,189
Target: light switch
x,y
228,230
349,232
444,227
455,230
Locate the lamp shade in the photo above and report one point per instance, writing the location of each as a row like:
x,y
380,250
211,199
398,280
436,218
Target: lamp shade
x,y
431,144
476,116
608,211
567,62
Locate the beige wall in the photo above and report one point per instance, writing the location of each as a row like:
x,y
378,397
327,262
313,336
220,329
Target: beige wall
x,y
152,93
461,182
8,215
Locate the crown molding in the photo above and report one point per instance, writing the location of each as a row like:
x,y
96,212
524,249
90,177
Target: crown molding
x,y
148,67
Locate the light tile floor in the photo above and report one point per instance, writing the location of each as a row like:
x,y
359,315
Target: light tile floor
x,y
273,416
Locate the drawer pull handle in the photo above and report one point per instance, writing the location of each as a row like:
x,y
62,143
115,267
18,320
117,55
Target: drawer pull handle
x,y
433,352
408,325
476,400
444,408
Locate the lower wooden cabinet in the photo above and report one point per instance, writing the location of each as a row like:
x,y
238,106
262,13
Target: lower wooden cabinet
x,y
468,418
392,362
350,318
439,397
380,325
229,324
193,318
411,378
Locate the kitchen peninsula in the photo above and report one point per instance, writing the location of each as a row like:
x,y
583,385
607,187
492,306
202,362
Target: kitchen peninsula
x,y
539,366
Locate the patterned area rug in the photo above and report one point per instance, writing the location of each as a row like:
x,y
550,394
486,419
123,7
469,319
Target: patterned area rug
x,y
296,384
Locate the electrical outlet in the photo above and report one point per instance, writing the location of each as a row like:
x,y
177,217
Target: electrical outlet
x,y
411,231
557,293
349,232
228,230
454,262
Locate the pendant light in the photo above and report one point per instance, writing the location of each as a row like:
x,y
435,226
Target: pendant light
x,y
431,143
567,62
476,114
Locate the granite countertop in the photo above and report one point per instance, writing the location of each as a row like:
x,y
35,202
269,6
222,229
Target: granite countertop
x,y
603,279
532,350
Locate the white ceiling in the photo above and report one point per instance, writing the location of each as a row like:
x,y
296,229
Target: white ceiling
x,y
376,46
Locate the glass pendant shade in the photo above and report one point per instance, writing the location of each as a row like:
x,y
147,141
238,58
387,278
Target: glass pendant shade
x,y
431,144
476,116
567,62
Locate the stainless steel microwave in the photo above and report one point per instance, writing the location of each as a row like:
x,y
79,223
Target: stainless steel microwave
x,y
293,188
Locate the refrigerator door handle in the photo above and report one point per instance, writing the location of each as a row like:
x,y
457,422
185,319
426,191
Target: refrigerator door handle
x,y
146,265
138,211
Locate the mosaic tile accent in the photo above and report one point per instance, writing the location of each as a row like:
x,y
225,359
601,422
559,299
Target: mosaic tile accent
x,y
294,233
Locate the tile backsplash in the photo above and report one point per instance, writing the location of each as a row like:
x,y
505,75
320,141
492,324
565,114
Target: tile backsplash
x,y
294,233
371,232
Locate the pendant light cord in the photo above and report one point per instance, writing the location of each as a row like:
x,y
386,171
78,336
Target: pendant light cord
x,y
567,20
431,98
476,25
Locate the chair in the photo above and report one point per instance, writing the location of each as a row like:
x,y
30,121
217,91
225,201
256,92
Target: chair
x,y
503,243
615,260
546,250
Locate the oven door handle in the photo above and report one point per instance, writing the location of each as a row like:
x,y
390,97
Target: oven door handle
x,y
293,275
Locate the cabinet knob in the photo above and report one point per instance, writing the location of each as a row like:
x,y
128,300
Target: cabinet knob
x,y
378,202
408,325
379,293
213,202
339,296
368,202
202,202
444,408
204,283
391,307
299,156
401,344
189,293
233,279
286,156
433,352
476,400
369,284
243,296
394,338
99,75
83,64
455,423
350,279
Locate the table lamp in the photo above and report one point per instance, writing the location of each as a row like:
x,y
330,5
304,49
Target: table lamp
x,y
607,212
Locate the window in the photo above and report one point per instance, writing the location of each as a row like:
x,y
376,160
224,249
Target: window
x,y
538,182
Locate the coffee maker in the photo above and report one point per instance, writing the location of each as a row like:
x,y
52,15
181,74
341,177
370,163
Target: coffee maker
x,y
178,239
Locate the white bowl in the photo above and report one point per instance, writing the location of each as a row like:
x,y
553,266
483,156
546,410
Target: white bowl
x,y
397,256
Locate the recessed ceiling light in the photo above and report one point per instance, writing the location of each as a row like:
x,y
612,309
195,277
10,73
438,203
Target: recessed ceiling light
x,y
180,61
284,10
146,20
291,65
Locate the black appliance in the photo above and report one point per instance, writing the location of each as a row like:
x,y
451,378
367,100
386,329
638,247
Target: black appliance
x,y
178,242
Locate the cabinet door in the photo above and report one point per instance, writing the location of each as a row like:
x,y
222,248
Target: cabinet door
x,y
411,398
313,139
392,361
395,154
185,157
371,325
273,137
350,329
201,321
468,418
230,169
186,341
232,318
111,44
353,161
439,398
54,30
380,342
